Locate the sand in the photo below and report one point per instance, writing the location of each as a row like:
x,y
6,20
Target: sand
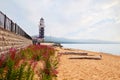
x,y
108,68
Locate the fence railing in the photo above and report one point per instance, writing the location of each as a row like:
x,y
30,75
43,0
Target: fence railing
x,y
8,24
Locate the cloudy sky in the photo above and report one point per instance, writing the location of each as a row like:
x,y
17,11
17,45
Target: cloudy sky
x,y
74,19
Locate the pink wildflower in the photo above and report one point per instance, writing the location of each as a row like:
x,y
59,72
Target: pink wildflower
x,y
12,53
35,64
2,59
46,55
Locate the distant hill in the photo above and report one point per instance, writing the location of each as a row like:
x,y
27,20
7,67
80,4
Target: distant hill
x,y
82,41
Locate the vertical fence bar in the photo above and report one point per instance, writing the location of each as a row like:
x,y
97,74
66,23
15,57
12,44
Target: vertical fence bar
x,y
4,21
1,20
15,28
11,26
18,30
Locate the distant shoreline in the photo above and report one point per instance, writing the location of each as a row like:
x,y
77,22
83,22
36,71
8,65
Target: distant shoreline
x,y
90,51
80,48
100,48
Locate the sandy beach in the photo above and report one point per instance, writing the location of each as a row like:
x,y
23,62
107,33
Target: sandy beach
x,y
108,68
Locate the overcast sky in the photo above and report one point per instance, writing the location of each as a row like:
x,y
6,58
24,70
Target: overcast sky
x,y
74,19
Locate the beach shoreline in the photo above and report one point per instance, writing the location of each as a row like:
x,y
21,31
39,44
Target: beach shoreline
x,y
107,68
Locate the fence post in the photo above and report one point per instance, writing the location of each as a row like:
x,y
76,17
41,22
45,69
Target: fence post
x,y
11,26
5,22
18,30
15,28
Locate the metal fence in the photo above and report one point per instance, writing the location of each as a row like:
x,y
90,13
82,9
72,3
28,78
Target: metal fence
x,y
8,24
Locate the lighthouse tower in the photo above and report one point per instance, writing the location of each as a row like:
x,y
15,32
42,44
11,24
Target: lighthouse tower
x,y
41,30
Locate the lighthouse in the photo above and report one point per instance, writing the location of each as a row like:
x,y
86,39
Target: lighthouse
x,y
41,30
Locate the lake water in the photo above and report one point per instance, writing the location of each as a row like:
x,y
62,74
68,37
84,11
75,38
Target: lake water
x,y
106,48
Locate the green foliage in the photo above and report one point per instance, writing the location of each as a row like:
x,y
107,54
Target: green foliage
x,y
29,73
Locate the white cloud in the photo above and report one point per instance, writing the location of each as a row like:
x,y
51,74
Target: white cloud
x,y
74,18
111,4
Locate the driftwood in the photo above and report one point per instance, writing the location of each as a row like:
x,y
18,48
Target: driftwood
x,y
75,53
87,57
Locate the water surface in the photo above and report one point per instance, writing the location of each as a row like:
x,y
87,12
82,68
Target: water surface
x,y
106,48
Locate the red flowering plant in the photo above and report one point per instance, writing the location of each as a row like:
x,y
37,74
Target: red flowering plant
x,y
2,59
11,69
51,59
2,63
12,53
23,64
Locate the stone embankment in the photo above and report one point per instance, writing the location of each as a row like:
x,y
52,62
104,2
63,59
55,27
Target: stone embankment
x,y
9,39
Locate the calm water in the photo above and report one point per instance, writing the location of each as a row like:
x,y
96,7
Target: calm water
x,y
107,48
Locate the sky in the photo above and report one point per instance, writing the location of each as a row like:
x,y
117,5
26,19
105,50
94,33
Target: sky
x,y
72,19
